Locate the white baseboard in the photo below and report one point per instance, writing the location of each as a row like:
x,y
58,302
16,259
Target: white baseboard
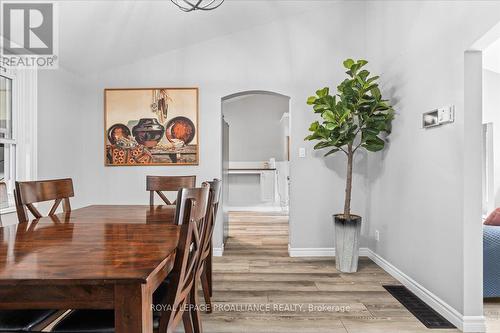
x,y
319,252
263,209
464,323
218,251
311,252
475,324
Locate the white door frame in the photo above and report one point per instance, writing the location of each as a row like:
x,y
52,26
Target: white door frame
x,y
472,166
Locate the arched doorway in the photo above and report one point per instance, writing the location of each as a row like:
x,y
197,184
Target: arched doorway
x,y
255,166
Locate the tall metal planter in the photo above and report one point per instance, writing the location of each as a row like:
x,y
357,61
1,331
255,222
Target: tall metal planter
x,y
347,234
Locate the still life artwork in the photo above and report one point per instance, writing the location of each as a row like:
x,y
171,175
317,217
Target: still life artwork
x,y
156,126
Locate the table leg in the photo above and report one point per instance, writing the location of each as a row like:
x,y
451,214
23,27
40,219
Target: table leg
x,y
209,269
133,312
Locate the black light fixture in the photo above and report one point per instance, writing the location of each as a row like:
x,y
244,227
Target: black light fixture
x,y
191,5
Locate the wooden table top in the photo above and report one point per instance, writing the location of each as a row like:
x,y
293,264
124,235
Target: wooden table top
x,y
91,245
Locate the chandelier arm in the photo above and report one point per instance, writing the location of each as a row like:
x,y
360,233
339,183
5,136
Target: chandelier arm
x,y
204,7
188,6
215,7
175,3
184,9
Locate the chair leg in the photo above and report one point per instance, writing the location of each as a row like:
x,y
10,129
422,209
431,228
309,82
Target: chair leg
x,y
186,319
208,269
195,313
206,292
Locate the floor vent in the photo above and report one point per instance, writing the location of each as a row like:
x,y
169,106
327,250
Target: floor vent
x,y
423,312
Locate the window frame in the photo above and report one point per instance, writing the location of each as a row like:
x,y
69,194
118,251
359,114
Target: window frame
x,y
12,143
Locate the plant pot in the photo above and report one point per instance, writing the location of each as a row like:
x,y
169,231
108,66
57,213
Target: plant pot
x,y
347,233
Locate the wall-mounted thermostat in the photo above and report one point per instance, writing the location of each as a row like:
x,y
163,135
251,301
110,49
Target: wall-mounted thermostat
x,y
438,117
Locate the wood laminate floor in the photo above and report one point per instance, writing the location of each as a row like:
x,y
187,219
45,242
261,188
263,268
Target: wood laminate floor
x,y
259,288
492,313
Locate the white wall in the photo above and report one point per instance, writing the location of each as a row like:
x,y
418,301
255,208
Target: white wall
x,y
491,60
63,132
273,57
417,184
254,127
414,193
255,135
491,114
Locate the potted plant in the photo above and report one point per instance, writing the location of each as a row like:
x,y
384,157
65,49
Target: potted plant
x,y
355,118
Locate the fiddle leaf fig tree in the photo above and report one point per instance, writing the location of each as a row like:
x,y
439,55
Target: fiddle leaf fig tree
x,y
355,117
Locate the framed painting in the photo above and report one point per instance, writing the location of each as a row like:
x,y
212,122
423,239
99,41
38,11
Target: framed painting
x,y
153,126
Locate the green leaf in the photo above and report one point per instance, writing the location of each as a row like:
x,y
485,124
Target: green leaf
x,y
348,63
374,144
375,92
323,144
311,100
332,151
320,108
363,74
362,62
354,69
314,126
355,113
323,92
370,80
371,132
328,116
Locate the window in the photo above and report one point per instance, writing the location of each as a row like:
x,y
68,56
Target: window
x,y
7,138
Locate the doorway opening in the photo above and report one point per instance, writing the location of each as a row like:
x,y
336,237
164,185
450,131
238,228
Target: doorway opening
x,y
491,183
256,170
482,182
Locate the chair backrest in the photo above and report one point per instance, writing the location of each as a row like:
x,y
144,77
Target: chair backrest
x,y
192,204
215,192
28,193
160,184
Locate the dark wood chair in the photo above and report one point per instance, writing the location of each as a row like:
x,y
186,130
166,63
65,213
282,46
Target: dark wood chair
x,y
23,320
175,293
204,271
27,194
160,184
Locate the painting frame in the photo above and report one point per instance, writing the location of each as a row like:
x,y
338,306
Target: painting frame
x,y
196,162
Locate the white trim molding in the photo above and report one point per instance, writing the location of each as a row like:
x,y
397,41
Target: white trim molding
x,y
464,323
475,324
319,252
218,251
260,209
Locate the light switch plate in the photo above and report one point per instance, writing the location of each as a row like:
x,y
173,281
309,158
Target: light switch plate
x,y
438,117
446,114
302,152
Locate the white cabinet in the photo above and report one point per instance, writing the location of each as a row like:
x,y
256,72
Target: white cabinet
x,y
267,181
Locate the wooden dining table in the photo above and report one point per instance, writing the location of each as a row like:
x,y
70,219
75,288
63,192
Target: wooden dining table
x,y
97,257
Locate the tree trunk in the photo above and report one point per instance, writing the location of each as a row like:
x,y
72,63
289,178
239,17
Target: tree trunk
x,y
348,184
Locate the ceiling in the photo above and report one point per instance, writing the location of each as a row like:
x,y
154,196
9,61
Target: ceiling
x,y
492,57
97,35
